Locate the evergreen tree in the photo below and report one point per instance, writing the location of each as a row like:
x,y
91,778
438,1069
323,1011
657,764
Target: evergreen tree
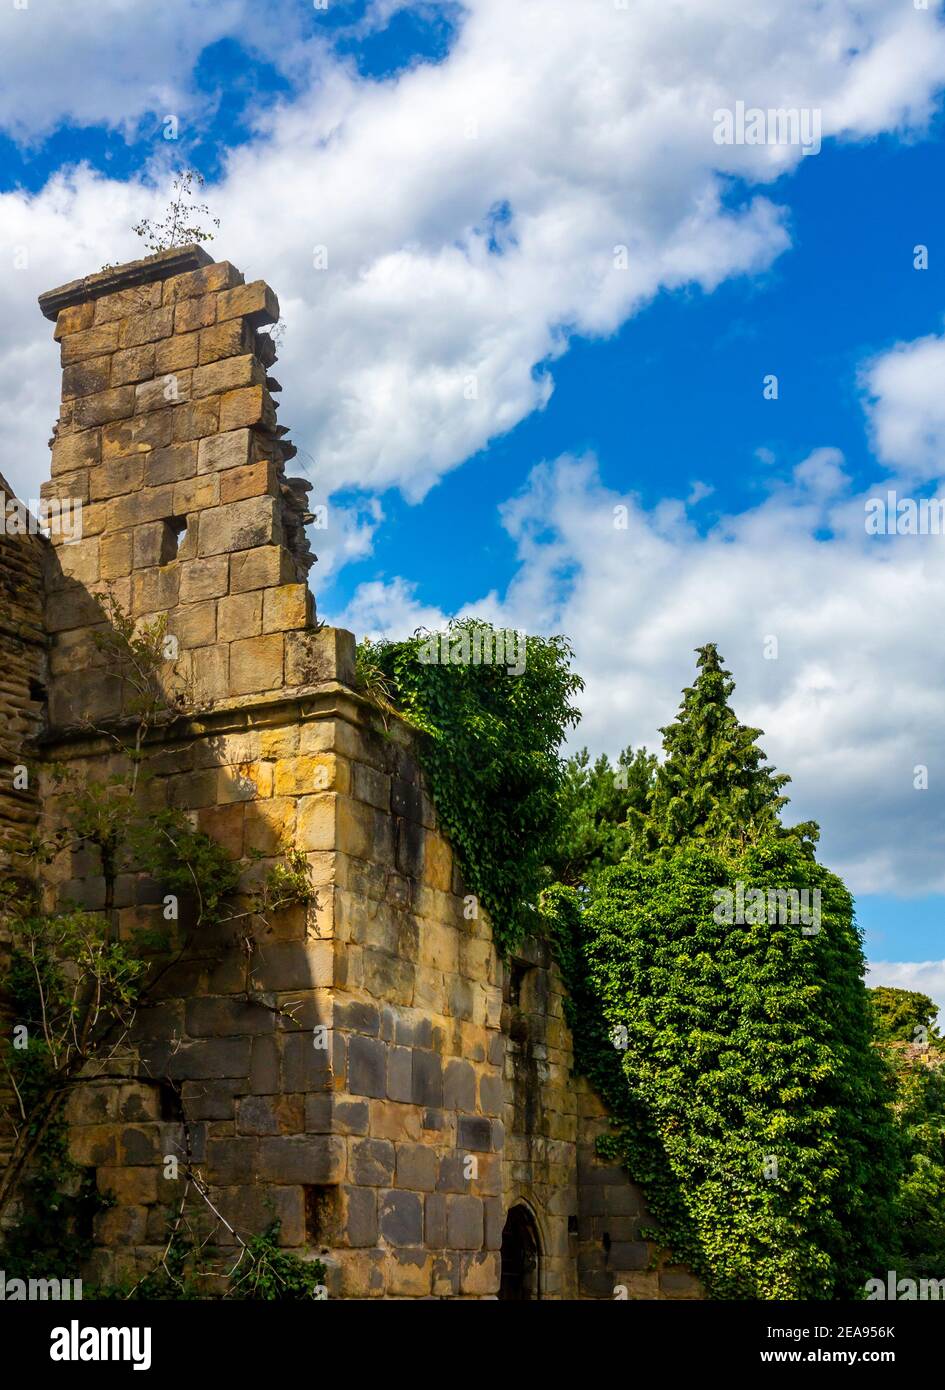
x,y
715,784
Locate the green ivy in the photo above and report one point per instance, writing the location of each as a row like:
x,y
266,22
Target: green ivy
x,y
489,746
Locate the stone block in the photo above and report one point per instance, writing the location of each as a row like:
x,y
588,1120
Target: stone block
x,y
309,1158
86,378
367,1066
401,1218
207,279
465,1228
371,1162
153,544
177,353
140,435
145,328
103,407
196,419
74,318
196,494
400,1074
427,1079
173,464
221,451
229,339
359,1206
416,1167
90,342
434,1220
246,407
169,389
479,1274
317,818
227,1017
459,1085
226,374
239,526
135,300
76,451
116,477
288,606
259,568
250,480
256,665
194,313
154,590
204,579
239,615
294,965
270,1115
254,302
313,658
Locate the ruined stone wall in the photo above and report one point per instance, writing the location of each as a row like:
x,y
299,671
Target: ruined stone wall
x,y
22,697
365,1068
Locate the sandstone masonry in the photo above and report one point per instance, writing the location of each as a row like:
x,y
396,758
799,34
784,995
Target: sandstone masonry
x,y
388,1086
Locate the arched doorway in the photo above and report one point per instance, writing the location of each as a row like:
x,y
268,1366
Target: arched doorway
x,y
521,1256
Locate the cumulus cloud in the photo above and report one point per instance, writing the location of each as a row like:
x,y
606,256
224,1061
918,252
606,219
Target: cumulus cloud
x,y
830,641
438,237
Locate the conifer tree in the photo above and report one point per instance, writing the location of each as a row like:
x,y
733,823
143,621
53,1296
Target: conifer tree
x,y
715,785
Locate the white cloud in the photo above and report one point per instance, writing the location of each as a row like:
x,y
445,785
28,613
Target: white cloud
x,y
907,407
850,705
470,209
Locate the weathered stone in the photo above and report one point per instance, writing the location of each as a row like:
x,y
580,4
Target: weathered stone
x,y
239,526
132,365
239,615
247,406
464,1223
416,1167
459,1086
204,579
401,1218
371,1162
259,568
230,450
285,607
229,339
427,1078
255,665
367,1066
227,374
360,1216
255,302
310,1158
85,378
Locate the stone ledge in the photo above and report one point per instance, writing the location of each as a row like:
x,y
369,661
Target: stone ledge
x,y
121,277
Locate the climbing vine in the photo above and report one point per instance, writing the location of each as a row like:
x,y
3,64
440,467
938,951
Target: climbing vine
x,y
490,733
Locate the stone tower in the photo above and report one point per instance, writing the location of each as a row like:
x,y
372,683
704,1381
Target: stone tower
x,y
438,1143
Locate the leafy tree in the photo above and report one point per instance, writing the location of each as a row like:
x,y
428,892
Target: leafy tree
x,y
596,800
750,1103
714,784
899,1013
734,1052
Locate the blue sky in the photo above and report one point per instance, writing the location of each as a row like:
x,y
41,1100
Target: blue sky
x,y
319,127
